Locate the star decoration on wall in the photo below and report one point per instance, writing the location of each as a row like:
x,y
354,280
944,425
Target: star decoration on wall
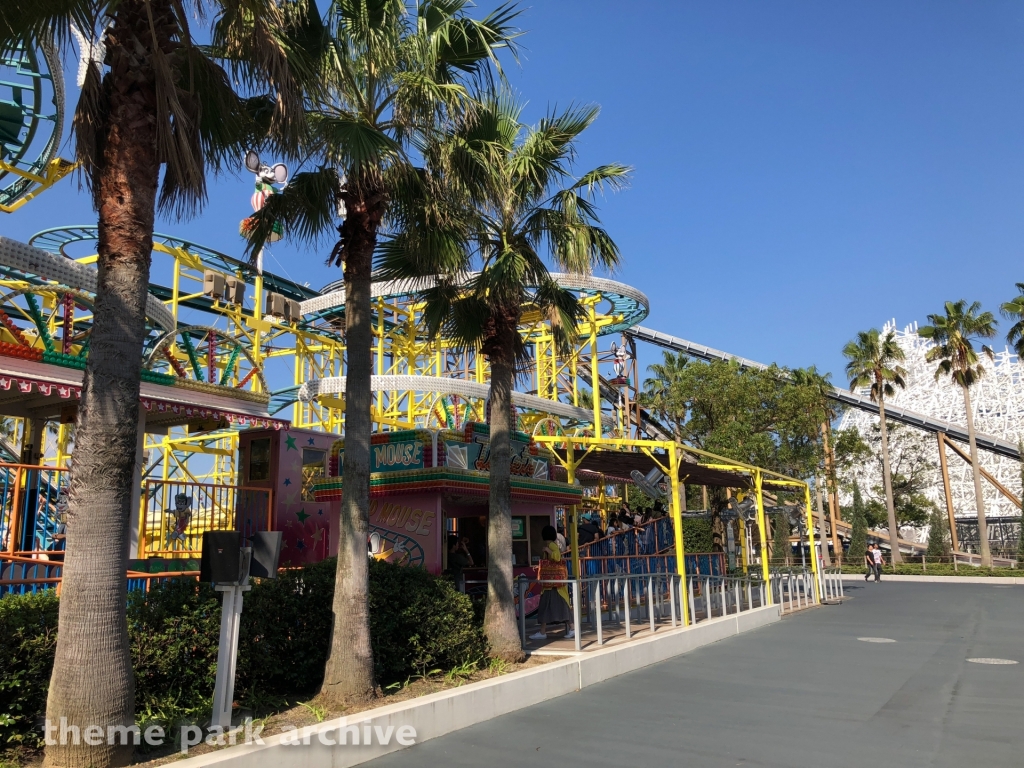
x,y
318,536
312,441
290,442
300,544
287,481
301,515
320,512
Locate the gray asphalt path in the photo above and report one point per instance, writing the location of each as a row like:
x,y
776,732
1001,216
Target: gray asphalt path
x,y
803,692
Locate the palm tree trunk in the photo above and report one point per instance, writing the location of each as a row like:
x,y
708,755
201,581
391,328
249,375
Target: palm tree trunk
x,y
349,675
979,499
499,615
890,507
92,682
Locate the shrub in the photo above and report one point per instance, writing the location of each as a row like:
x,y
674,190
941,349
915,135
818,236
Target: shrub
x,y
173,631
417,623
285,634
698,535
28,640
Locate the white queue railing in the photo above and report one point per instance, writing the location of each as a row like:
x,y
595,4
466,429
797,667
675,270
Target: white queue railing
x,y
630,601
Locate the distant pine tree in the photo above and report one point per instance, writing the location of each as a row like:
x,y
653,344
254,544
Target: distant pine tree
x,y
859,536
938,535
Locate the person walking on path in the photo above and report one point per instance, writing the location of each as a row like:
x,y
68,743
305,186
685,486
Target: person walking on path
x,y
876,555
554,599
869,563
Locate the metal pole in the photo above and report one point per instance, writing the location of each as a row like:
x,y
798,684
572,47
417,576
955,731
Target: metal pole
x,y
650,602
629,609
759,496
576,610
671,580
227,652
677,525
690,600
522,608
600,620
815,586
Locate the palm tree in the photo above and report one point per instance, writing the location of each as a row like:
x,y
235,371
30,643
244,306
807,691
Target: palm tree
x,y
158,102
390,75
660,391
874,362
1015,309
953,334
519,203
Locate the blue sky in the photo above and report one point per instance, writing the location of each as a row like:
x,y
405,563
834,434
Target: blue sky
x,y
803,170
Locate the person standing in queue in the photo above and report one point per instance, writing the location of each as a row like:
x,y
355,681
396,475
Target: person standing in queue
x,y
554,599
458,560
587,532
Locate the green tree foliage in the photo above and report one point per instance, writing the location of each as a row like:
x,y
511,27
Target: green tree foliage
x,y
394,74
938,535
858,536
912,473
769,418
874,362
514,205
781,550
1014,310
954,334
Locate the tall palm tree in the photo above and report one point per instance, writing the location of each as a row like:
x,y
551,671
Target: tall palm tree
x,y
390,74
520,203
875,363
1014,309
954,333
660,391
158,102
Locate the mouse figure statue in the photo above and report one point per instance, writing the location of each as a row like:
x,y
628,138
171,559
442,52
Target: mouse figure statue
x,y
266,177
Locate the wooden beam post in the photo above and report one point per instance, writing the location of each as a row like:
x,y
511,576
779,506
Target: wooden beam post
x,y
949,495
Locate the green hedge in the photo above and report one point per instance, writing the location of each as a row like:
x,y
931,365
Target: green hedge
x,y
417,623
698,535
937,569
28,637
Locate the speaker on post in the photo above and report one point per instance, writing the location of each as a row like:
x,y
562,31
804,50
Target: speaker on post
x,y
266,551
220,563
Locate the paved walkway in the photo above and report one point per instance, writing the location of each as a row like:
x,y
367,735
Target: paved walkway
x,y
803,692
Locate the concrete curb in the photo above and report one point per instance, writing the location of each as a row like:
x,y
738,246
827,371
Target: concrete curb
x,y
994,580
446,711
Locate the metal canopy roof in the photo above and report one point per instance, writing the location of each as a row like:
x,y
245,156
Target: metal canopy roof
x,y
619,464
